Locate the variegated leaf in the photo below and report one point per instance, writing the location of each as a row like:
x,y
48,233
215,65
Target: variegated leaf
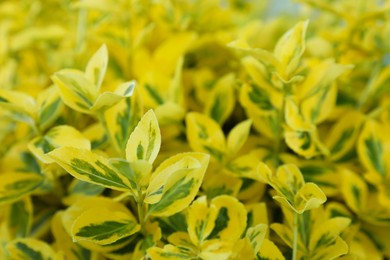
x,y
97,66
15,185
205,135
372,147
354,190
221,102
238,136
102,226
256,236
175,183
18,106
201,220
56,137
49,107
145,141
122,118
230,222
30,248
19,218
268,250
75,89
107,99
290,47
90,167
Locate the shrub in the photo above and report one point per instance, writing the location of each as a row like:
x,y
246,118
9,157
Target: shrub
x,y
194,130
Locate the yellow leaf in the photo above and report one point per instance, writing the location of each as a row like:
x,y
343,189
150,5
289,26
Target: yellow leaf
x,y
200,220
29,248
290,47
75,89
90,167
238,136
268,250
56,137
145,141
354,190
205,135
181,186
102,226
97,66
221,102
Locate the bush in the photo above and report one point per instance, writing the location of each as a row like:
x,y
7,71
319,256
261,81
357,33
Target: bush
x,y
199,129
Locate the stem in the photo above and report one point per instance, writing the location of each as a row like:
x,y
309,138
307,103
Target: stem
x,y
141,210
279,131
295,236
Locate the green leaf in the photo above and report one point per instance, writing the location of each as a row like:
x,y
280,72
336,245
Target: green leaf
x,y
29,248
20,215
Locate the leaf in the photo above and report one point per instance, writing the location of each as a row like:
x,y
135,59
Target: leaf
x,y
343,135
221,102
310,196
354,190
301,142
231,219
56,137
333,251
97,66
18,106
107,99
19,220
122,118
268,250
169,252
175,183
245,166
290,47
200,220
238,136
327,232
145,141
15,185
49,107
90,167
371,147
103,226
78,189
29,248
63,241
75,89
205,135
256,236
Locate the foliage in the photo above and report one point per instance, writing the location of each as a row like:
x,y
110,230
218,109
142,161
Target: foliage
x,y
200,129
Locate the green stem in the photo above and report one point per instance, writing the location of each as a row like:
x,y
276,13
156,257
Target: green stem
x,y
295,236
279,132
141,210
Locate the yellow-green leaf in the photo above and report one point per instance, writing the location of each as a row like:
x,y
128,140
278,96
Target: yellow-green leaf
x,y
200,220
268,250
18,106
107,99
145,141
97,66
29,248
310,196
90,167
75,89
230,222
238,136
15,185
221,102
205,135
56,137
354,190
372,147
169,252
19,218
49,107
175,183
256,236
103,226
290,48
